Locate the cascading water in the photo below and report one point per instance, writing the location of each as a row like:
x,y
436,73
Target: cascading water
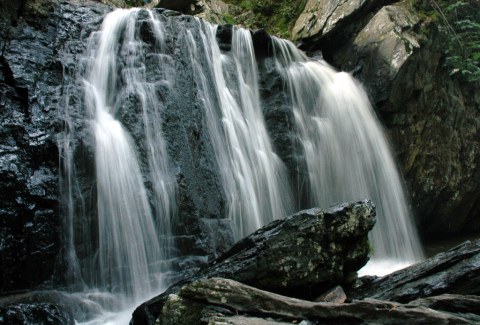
x,y
126,245
253,176
133,215
123,210
346,152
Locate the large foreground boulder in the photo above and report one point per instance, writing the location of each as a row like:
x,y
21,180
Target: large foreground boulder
x,y
222,301
441,290
302,256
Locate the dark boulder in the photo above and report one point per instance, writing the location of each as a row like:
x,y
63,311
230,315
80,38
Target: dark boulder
x,y
462,304
199,303
41,313
302,255
456,271
52,307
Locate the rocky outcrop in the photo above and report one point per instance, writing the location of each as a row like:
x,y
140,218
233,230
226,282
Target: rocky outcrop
x,y
41,46
441,290
431,115
302,256
52,307
382,47
220,301
320,18
216,11
185,6
454,272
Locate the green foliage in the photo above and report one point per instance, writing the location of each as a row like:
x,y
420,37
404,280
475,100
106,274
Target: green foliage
x,y
229,19
460,21
276,16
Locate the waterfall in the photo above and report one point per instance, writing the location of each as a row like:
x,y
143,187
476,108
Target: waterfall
x,y
124,214
125,166
253,176
346,151
135,198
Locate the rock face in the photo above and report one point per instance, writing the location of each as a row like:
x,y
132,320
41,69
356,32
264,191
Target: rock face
x,y
185,6
42,42
215,11
49,307
303,255
382,47
30,84
322,17
432,117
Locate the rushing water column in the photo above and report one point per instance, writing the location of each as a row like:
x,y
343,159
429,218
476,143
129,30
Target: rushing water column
x,y
254,178
124,214
346,152
135,198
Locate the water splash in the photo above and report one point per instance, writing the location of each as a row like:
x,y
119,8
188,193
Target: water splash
x,y
346,152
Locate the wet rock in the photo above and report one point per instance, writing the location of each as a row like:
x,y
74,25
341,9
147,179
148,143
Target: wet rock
x,y
281,127
303,255
34,314
336,295
185,6
249,301
462,304
454,272
382,47
48,307
115,3
30,82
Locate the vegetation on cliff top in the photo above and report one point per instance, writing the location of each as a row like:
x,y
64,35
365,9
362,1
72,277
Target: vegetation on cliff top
x,y
276,16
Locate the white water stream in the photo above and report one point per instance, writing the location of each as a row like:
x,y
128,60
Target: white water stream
x,y
347,154
253,176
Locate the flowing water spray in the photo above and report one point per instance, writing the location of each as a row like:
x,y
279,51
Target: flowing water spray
x,y
124,214
132,226
346,152
253,176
